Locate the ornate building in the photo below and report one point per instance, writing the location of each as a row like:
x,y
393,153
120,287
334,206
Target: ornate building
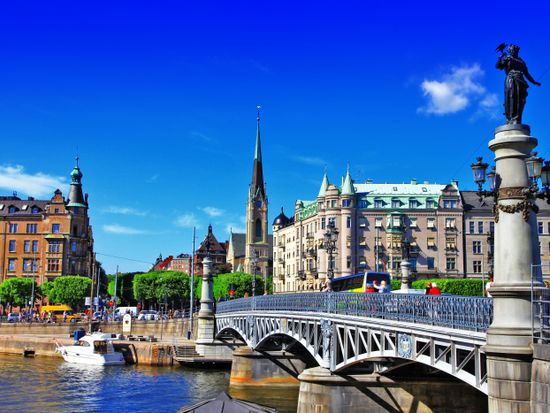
x,y
47,238
216,250
257,245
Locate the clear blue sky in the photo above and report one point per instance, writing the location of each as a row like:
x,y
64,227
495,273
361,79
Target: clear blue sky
x,y
158,99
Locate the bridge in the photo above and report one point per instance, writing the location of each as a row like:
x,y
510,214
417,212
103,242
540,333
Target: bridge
x,y
340,330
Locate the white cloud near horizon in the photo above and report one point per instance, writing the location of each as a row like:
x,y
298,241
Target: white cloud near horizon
x,y
457,90
124,211
187,221
122,230
14,178
212,211
309,160
152,179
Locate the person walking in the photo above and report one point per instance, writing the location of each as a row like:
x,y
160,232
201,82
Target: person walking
x,y
435,290
488,286
428,288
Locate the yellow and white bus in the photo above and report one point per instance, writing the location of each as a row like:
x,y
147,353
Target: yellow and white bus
x,y
357,283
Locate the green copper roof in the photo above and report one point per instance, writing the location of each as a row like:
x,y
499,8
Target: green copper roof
x,y
307,209
324,186
347,186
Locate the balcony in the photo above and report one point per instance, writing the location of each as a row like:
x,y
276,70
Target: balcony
x,y
310,235
311,252
302,275
450,228
281,260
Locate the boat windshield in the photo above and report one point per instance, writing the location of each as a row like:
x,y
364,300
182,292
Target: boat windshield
x,y
101,347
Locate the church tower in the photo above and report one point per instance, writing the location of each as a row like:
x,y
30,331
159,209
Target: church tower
x,y
257,239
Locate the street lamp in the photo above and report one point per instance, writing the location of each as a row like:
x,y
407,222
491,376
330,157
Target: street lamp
x,y
254,260
330,238
479,170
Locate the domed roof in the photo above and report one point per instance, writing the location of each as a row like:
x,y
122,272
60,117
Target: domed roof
x,y
281,219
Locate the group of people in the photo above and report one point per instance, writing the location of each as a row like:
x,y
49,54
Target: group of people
x,y
432,289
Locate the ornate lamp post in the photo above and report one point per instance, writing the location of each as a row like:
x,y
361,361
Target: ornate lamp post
x,y
330,238
405,264
254,260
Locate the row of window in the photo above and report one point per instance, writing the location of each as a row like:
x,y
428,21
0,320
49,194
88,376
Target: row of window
x,y
54,246
13,209
33,228
481,227
32,265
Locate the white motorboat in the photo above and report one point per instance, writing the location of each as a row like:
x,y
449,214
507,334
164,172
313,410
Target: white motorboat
x,y
95,348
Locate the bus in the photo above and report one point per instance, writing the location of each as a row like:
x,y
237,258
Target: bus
x,y
356,283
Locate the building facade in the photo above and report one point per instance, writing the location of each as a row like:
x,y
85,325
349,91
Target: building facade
x,y
216,251
449,231
45,239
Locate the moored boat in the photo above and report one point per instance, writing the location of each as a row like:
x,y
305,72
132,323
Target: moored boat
x,y
95,349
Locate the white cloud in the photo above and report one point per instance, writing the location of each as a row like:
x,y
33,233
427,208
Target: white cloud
x,y
14,178
455,91
120,229
152,179
310,160
212,211
201,136
187,221
124,211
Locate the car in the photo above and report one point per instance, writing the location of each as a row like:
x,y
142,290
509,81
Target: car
x,y
148,315
13,318
97,316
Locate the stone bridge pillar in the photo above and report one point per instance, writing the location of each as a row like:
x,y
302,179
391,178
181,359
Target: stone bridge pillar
x,y
508,349
207,319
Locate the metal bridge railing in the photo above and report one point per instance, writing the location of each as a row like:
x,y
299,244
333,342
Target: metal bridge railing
x,y
463,313
541,315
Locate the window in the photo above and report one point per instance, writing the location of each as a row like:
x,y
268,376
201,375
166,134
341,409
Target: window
x,y
378,203
449,203
477,267
12,245
27,265
258,229
35,210
450,243
54,247
332,221
362,203
549,227
480,227
395,203
348,262
53,265
413,223
396,221
12,210
430,262
430,203
348,241
55,228
32,228
396,264
362,222
378,222
27,246
451,263
412,261
35,246
323,223
346,203
34,265
362,242
413,203
11,264
362,262
541,228
492,227
56,211
472,227
73,247
476,247
77,211
431,223
333,203
431,242
13,228
348,222
450,223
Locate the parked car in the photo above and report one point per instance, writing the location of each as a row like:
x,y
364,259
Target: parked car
x,y
97,316
148,315
13,318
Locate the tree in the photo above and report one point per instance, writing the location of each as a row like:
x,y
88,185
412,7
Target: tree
x,y
16,291
46,289
125,290
71,290
172,286
241,283
144,287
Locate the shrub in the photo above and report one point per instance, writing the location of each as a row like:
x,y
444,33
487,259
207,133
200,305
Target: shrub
x,y
457,286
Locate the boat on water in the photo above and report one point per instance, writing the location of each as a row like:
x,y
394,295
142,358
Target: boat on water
x,y
95,349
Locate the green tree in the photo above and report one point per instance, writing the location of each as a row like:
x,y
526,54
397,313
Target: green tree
x,y
144,287
125,287
47,290
172,287
71,290
241,283
16,291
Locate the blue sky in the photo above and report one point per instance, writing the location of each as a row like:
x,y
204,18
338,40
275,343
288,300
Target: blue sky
x,y
158,99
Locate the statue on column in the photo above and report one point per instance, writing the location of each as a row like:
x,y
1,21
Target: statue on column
x,y
515,85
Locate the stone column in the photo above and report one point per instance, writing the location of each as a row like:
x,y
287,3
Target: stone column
x,y
405,274
207,324
508,349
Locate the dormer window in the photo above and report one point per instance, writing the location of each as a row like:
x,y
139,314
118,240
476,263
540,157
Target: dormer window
x,y
413,203
395,203
378,203
35,210
12,209
346,203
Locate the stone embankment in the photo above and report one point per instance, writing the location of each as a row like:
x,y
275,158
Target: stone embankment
x,y
156,345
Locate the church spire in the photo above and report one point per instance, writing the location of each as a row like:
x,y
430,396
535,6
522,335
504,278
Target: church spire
x,y
257,188
76,197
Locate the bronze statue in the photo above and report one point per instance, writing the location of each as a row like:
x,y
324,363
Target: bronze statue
x,y
515,86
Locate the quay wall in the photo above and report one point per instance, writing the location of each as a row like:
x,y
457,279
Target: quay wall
x,y
540,379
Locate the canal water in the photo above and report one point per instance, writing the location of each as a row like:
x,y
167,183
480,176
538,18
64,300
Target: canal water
x,y
50,385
